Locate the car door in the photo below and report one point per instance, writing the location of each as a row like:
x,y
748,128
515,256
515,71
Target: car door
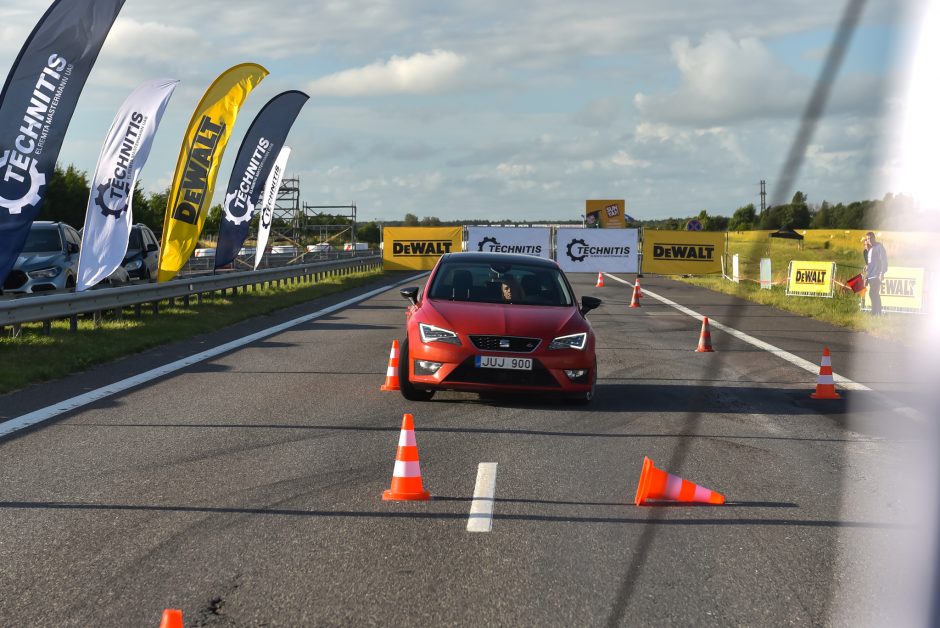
x,y
151,254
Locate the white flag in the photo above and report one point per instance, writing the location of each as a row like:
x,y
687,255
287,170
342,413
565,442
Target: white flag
x,y
268,202
109,216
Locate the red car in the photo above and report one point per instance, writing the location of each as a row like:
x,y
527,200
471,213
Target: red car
x,y
496,322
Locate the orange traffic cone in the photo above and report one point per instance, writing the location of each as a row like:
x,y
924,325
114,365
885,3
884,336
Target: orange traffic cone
x,y
705,338
636,286
172,618
658,484
825,386
600,280
635,302
406,478
391,375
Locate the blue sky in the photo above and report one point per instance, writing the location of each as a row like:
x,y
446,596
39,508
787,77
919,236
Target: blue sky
x,y
484,109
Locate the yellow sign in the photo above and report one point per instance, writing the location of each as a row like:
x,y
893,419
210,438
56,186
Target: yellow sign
x,y
902,290
811,279
605,214
198,164
682,252
418,248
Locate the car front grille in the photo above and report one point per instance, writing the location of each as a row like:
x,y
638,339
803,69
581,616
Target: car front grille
x,y
468,373
513,344
16,279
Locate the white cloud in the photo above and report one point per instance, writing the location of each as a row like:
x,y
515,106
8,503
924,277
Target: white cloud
x,y
420,73
599,113
724,80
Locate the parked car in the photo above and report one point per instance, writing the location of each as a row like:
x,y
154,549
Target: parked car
x,y
143,253
48,261
490,322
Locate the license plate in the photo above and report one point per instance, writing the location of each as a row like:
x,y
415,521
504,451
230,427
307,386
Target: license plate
x,y
503,362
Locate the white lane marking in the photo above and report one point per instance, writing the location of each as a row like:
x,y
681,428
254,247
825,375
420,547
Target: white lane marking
x,y
44,414
796,360
484,496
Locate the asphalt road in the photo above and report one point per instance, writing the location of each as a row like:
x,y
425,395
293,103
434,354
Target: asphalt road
x,y
246,489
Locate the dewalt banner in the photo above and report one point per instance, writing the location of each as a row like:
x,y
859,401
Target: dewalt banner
x,y
418,248
605,214
901,291
682,252
811,279
198,164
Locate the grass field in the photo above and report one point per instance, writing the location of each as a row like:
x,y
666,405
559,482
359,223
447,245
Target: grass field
x,y
34,357
841,246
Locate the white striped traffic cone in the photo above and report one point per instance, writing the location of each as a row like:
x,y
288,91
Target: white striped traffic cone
x,y
391,375
825,385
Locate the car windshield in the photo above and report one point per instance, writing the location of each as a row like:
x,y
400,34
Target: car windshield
x,y
485,282
42,240
134,242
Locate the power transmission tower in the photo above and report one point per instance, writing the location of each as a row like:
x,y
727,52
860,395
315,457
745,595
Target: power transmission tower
x,y
763,196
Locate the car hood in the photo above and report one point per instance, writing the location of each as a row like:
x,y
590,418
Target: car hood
x,y
502,320
35,261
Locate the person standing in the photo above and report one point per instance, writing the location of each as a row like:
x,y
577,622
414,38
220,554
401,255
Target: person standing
x,y
876,265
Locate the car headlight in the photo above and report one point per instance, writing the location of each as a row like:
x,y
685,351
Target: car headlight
x,y
574,341
44,273
430,333
134,265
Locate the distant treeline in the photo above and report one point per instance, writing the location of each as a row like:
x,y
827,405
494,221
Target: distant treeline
x,y
67,198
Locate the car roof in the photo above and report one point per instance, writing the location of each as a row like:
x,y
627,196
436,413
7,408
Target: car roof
x,y
512,258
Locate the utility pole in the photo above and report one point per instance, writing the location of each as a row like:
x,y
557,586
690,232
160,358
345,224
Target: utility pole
x,y
763,196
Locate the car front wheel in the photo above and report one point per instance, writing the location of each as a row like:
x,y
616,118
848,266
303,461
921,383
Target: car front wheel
x,y
408,390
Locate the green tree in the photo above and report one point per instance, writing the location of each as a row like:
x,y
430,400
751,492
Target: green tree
x,y
369,232
411,220
66,197
213,219
743,219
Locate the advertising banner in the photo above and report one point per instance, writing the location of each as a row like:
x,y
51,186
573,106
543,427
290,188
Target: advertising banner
x,y
597,250
525,240
271,186
682,252
901,291
36,105
605,214
811,279
418,248
110,213
261,144
198,164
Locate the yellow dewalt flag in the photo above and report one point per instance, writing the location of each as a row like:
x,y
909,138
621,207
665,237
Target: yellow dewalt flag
x,y
198,165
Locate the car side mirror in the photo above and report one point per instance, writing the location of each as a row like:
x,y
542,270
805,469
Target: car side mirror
x,y
588,304
152,248
72,248
411,294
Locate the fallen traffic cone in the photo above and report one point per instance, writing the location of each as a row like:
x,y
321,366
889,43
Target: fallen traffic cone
x,y
172,618
657,484
391,375
635,302
639,293
705,338
600,280
825,386
406,478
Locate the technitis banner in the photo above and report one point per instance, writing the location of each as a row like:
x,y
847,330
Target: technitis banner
x,y
902,290
597,250
418,248
36,105
811,279
524,240
682,252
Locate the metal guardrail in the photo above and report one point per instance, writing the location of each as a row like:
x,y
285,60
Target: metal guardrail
x,y
46,308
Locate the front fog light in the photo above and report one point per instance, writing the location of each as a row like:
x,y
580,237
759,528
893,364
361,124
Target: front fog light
x,y
575,373
426,367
